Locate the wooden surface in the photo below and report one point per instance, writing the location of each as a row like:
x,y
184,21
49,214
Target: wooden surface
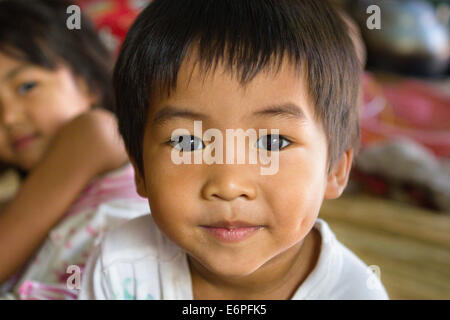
x,y
411,246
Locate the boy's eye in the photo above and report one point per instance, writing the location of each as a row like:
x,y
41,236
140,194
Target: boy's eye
x,y
272,142
26,87
187,143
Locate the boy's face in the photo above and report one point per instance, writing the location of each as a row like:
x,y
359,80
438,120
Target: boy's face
x,y
191,202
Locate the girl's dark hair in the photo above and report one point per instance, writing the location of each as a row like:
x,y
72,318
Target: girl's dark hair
x,y
248,36
35,31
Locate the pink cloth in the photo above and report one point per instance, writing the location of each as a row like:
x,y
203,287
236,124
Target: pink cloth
x,y
105,203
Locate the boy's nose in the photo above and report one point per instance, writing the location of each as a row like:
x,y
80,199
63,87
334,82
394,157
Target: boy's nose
x,y
227,183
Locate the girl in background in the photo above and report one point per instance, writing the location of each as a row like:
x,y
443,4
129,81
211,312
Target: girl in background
x,y
55,127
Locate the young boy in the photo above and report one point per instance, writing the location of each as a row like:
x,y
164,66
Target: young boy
x,y
225,230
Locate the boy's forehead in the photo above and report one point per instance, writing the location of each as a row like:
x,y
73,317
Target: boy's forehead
x,y
220,91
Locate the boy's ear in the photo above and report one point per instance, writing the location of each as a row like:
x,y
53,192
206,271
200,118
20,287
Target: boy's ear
x,y
338,177
139,180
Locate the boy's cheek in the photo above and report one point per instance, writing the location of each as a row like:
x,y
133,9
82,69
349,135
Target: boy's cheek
x,y
172,196
301,200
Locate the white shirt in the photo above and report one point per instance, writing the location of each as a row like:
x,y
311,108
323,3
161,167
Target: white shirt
x,y
137,261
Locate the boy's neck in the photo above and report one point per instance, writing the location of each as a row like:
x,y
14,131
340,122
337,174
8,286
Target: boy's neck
x,y
277,279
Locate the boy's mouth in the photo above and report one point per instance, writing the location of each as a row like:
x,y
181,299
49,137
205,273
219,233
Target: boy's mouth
x,y
231,231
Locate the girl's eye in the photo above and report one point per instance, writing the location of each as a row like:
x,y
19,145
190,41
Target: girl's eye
x,y
272,142
187,143
26,87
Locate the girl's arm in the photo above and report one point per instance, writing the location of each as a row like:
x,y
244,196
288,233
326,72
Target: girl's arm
x,y
86,147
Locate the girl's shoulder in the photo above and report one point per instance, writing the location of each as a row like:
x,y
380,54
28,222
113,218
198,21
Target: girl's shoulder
x,y
99,121
94,135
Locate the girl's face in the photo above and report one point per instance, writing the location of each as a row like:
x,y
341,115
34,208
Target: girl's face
x,y
34,103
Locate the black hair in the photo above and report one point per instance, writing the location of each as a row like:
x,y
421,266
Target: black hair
x,y
247,36
36,31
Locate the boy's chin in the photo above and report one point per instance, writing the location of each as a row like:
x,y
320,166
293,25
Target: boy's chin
x,y
229,268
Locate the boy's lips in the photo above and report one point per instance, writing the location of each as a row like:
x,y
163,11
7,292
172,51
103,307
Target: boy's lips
x,y
231,224
231,231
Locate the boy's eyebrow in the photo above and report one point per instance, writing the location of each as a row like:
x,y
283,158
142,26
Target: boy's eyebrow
x,y
12,73
169,112
287,110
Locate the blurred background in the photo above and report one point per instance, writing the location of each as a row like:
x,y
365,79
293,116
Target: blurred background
x,y
395,212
